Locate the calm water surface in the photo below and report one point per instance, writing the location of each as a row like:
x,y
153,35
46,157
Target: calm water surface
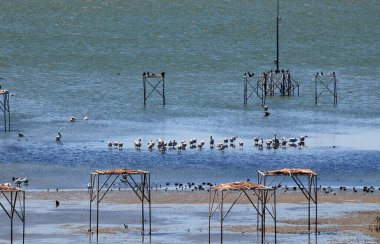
x,y
61,59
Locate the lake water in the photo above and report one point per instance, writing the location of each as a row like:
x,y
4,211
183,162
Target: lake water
x,y
61,59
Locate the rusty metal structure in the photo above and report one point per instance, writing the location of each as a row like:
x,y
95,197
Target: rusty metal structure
x,y
137,180
325,83
154,81
12,201
263,196
269,84
306,181
4,106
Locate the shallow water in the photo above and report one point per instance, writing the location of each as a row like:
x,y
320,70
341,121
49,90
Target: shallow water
x,y
80,58
171,223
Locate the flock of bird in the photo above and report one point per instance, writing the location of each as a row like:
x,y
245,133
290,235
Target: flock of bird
x,y
18,181
162,145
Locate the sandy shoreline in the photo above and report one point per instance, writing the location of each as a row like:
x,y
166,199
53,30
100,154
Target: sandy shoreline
x,y
202,197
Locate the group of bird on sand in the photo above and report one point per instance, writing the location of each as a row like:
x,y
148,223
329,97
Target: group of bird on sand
x,y
162,145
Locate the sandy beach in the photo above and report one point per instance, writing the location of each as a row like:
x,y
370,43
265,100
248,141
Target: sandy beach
x,y
181,216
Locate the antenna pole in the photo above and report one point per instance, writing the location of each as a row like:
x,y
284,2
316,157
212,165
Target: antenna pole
x,y
278,20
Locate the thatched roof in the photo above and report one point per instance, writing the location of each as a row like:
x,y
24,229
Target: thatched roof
x,y
9,188
239,185
120,171
289,172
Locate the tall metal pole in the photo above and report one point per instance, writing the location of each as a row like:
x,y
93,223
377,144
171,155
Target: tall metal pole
x,y
278,20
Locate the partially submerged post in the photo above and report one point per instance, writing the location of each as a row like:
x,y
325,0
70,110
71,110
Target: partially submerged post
x,y
4,106
263,195
13,204
325,83
99,187
154,80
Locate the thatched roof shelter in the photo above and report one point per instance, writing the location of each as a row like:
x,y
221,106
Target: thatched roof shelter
x,y
7,188
237,186
286,171
121,171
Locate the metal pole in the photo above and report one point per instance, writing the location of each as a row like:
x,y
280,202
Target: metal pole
x,y
209,217
9,114
221,219
316,207
144,83
23,216
316,97
142,202
245,89
163,90
278,19
275,217
90,193
309,223
150,208
97,208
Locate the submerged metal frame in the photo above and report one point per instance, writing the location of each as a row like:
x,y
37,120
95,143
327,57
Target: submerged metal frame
x,y
154,85
307,183
269,84
264,196
5,109
325,81
141,189
15,197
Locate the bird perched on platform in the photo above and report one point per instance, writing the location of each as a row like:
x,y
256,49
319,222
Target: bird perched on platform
x,y
18,181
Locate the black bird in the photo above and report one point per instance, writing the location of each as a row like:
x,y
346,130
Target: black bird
x,y
56,204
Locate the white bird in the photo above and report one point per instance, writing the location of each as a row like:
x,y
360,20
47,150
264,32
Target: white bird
x,y
58,136
85,117
137,143
182,146
302,139
256,139
260,143
283,141
151,144
18,181
221,146
268,142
